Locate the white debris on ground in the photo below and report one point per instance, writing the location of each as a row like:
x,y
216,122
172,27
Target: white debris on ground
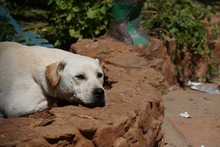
x,y
207,89
185,115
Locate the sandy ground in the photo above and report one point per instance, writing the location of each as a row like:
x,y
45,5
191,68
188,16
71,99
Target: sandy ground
x,y
203,128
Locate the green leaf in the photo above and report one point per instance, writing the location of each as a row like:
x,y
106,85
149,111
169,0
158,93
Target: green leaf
x,y
97,32
72,32
173,31
103,10
76,9
91,13
69,17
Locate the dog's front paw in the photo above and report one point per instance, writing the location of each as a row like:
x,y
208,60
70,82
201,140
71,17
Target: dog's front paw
x,y
41,106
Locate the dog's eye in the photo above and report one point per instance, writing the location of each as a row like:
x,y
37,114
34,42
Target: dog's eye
x,y
100,75
80,77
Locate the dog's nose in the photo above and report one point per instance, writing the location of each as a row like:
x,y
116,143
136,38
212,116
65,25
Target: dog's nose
x,y
99,93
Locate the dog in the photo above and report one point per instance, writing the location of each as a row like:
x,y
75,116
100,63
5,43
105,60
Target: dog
x,y
31,77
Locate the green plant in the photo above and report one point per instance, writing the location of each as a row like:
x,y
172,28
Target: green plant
x,y
180,20
7,32
72,20
103,53
216,29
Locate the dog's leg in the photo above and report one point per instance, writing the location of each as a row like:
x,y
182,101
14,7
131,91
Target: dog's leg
x,y
41,106
25,101
26,110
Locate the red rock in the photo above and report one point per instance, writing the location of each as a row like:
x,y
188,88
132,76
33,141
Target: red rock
x,y
132,116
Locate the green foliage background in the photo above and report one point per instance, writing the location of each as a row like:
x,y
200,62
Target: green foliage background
x,y
72,20
180,19
183,21
7,31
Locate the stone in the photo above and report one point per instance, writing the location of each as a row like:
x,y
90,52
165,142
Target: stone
x,y
121,142
158,58
104,136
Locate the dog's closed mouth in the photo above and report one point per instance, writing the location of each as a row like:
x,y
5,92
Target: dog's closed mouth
x,y
62,103
93,105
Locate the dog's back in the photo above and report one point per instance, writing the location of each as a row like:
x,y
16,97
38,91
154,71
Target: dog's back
x,y
20,60
18,63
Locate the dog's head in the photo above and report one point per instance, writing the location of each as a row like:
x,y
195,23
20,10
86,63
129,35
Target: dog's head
x,y
78,79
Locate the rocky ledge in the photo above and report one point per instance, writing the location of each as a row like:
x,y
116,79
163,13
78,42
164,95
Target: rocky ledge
x,y
132,116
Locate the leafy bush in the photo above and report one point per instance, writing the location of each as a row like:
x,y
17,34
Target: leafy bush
x,y
16,9
179,20
7,32
73,19
28,10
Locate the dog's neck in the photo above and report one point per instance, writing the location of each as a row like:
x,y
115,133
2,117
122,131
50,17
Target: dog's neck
x,y
49,90
45,85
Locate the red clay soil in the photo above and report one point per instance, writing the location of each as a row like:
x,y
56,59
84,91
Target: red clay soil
x,y
203,128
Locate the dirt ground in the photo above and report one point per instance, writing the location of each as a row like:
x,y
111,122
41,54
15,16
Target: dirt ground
x,y
203,128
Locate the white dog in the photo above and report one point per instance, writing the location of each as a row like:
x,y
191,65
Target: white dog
x,y
32,77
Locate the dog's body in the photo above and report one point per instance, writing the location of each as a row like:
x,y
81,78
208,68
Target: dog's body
x,y
32,76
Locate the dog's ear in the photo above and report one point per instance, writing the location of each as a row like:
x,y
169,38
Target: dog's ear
x,y
53,72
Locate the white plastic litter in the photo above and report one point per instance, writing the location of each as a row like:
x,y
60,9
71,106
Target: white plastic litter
x,y
206,89
185,115
202,145
190,83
